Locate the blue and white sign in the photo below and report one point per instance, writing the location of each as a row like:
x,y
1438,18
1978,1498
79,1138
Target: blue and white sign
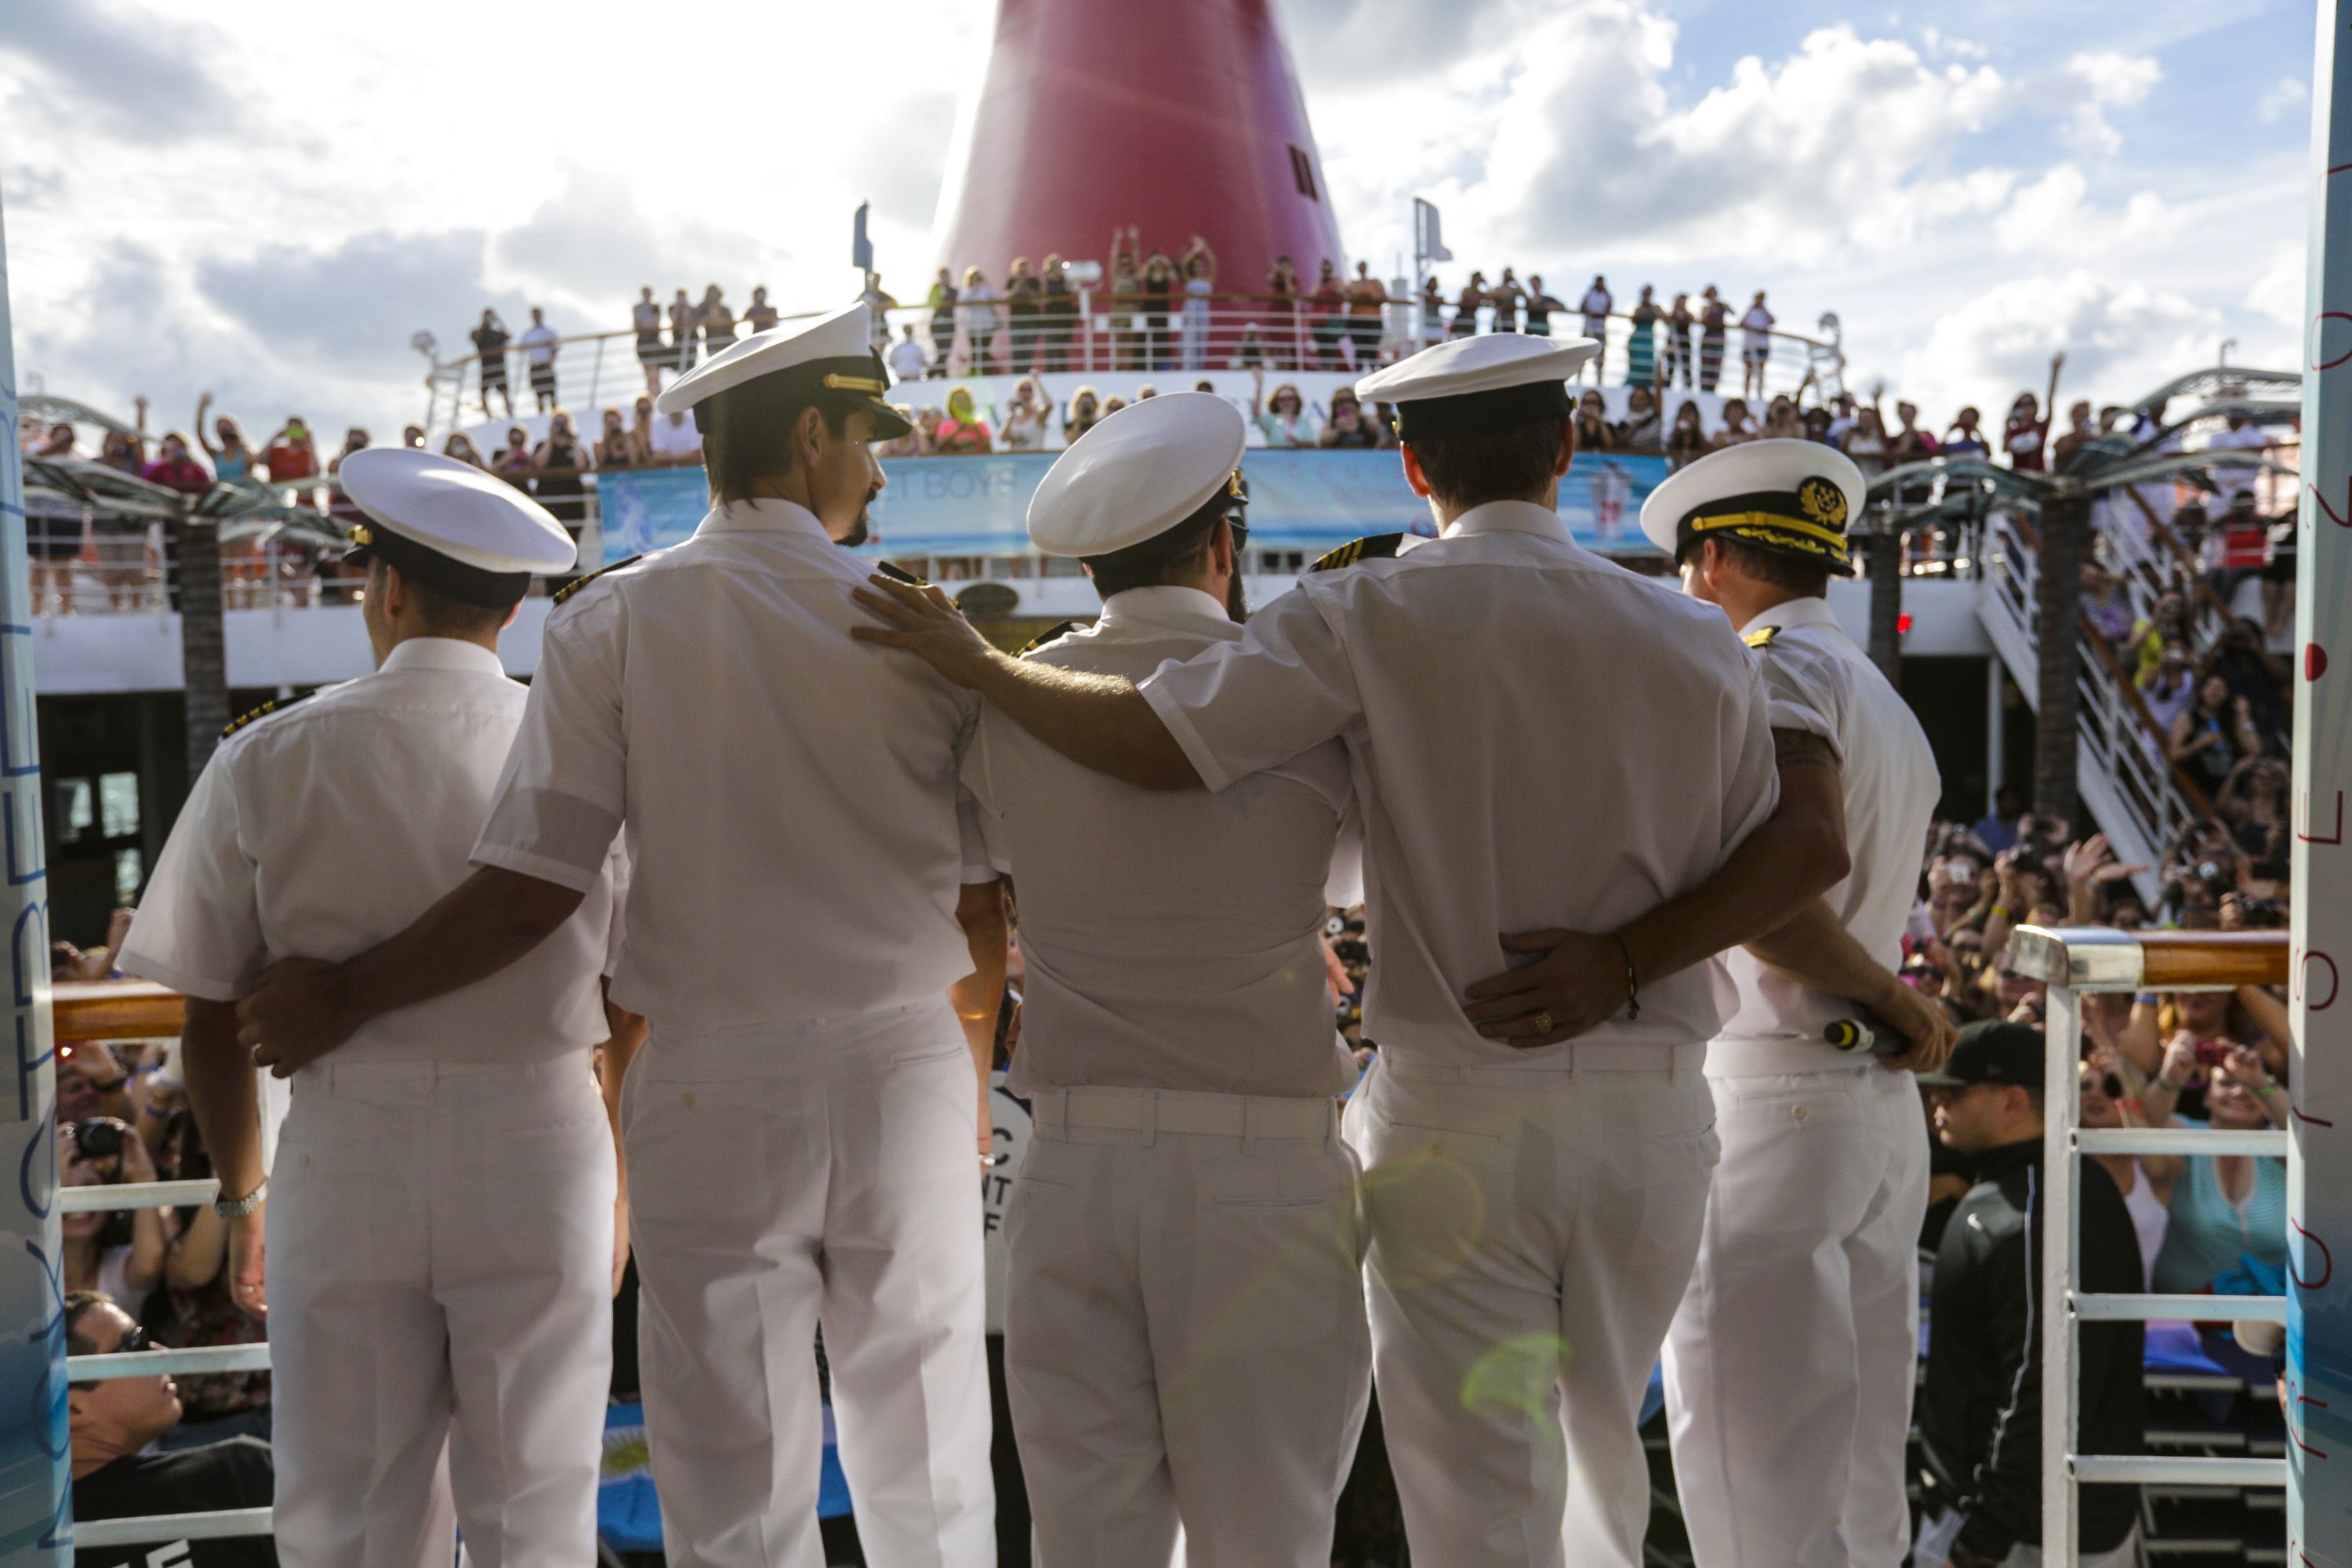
x,y
1309,500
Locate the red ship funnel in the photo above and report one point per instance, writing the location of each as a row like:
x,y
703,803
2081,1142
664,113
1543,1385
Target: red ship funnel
x,y
1182,117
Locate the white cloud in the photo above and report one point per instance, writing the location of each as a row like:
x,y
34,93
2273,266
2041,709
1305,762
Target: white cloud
x,y
2110,80
2278,291
2288,95
2120,338
281,244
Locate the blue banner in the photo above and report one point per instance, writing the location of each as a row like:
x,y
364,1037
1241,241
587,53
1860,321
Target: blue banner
x,y
1308,500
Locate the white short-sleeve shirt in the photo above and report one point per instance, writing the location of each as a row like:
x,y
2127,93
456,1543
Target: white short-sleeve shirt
x,y
681,438
1172,938
1541,739
323,830
788,796
1817,680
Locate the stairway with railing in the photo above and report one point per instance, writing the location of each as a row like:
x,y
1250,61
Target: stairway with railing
x,y
2123,770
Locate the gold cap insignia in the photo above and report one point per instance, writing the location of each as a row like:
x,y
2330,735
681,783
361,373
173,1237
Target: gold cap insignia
x,y
1823,501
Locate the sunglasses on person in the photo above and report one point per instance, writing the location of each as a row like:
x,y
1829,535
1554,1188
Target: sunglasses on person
x,y
134,1338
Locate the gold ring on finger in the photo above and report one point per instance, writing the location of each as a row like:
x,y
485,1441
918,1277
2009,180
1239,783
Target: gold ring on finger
x,y
1543,1022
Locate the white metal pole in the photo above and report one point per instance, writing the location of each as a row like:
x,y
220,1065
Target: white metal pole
x,y
2061,1256
1996,731
2319,1164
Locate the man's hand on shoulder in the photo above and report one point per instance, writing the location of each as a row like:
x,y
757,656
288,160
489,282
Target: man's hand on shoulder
x,y
925,623
296,1012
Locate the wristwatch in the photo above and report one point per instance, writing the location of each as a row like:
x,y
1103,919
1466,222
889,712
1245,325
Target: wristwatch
x,y
237,1208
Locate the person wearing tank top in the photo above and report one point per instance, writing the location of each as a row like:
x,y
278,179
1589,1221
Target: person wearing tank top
x,y
2225,1207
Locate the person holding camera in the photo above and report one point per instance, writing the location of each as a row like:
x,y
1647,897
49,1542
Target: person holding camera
x,y
437,1258
1178,1052
119,1253
1789,1365
2224,1206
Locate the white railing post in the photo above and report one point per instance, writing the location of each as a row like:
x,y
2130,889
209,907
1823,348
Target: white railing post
x,y
2060,1268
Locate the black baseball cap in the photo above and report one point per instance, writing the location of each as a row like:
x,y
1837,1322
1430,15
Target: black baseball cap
x,y
1992,1052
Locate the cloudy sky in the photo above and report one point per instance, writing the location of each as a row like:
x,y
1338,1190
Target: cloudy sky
x,y
268,198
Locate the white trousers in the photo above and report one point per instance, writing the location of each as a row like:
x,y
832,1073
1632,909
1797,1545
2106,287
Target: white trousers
x,y
1790,1365
439,1247
785,1176
1531,1233
1184,1334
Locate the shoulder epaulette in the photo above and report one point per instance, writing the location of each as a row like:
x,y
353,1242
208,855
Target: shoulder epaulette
x,y
899,574
1762,638
1371,547
264,711
579,582
1051,634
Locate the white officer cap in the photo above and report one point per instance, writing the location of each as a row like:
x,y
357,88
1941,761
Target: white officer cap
x,y
1793,497
1138,474
450,525
835,354
1467,385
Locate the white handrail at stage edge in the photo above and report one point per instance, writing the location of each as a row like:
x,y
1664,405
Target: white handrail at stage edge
x,y
2090,959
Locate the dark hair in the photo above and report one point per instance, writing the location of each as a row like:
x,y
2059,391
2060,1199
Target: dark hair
x,y
1167,557
442,615
1512,463
1777,568
743,427
78,1307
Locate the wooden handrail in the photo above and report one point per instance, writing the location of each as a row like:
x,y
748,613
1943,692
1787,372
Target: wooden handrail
x,y
2172,958
2102,958
115,1010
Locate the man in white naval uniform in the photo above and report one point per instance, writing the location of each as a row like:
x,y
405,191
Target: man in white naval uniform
x,y
1184,1335
439,1246
801,1126
1791,1361
1547,747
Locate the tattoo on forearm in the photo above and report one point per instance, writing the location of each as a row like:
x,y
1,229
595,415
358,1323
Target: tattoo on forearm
x,y
1803,749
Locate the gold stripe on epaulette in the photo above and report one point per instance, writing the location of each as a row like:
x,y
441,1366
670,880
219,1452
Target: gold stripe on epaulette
x,y
1762,638
264,711
1371,547
900,574
577,583
1051,634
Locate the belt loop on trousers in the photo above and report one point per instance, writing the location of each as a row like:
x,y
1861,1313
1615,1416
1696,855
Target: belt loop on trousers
x,y
1151,1117
1673,1067
1249,1121
1576,1067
